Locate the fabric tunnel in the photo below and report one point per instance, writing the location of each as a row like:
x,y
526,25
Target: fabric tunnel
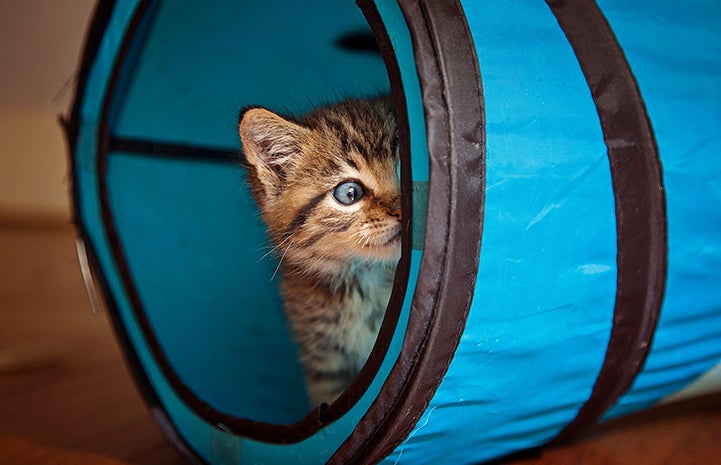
x,y
561,181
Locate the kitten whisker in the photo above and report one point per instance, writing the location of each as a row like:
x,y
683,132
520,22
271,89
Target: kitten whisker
x,y
366,240
358,234
282,257
273,249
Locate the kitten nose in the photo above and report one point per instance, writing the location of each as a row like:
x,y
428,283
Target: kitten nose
x,y
396,212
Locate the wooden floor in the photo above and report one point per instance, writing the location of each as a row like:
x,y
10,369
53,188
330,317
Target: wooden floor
x,y
67,398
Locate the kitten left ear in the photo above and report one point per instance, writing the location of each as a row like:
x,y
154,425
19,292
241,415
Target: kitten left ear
x,y
269,138
270,142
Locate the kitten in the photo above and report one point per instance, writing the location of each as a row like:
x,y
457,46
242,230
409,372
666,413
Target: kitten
x,y
328,192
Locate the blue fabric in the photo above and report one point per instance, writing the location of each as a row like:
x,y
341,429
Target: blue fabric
x,y
675,54
189,230
540,320
189,251
200,64
536,335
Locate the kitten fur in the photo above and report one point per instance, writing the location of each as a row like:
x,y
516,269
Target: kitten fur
x,y
337,261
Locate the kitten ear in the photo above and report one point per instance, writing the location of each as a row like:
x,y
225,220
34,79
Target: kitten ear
x,y
270,142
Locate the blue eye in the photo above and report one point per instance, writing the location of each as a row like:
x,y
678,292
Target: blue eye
x,y
348,192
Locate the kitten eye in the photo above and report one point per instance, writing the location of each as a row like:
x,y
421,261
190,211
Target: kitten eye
x,y
348,192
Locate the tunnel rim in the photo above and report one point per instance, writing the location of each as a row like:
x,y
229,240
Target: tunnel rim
x,y
277,433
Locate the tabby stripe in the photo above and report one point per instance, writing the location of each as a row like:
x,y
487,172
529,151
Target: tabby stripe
x,y
333,376
359,146
337,228
339,128
314,319
377,152
302,216
352,164
311,241
327,346
353,143
331,168
355,286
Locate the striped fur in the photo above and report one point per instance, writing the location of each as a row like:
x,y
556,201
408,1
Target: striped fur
x,y
337,261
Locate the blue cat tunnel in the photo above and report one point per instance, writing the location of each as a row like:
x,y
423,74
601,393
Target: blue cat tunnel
x,y
561,176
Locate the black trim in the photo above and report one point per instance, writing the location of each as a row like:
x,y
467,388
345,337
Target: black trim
x,y
358,41
453,102
156,409
640,203
101,17
255,430
395,304
170,150
261,431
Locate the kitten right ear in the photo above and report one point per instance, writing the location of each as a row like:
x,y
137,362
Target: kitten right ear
x,y
270,143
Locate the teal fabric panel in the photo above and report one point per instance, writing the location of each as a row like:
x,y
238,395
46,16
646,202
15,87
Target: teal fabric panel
x,y
537,331
318,448
674,50
539,324
202,61
214,306
198,256
87,184
150,197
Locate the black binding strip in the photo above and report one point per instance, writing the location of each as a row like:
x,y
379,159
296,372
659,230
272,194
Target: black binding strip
x,y
96,30
261,431
150,396
169,150
447,66
71,126
252,429
640,203
385,333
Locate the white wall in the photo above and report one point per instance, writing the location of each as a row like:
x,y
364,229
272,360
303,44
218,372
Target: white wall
x,y
40,45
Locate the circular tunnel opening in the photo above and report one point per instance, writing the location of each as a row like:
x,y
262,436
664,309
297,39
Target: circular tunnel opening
x,y
191,248
178,242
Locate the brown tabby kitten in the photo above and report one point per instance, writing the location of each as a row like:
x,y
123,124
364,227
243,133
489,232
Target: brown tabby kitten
x,y
328,192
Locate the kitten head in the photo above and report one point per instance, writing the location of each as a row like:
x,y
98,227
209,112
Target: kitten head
x,y
327,185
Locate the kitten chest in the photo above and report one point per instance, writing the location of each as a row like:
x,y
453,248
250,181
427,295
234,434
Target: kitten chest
x,y
362,313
